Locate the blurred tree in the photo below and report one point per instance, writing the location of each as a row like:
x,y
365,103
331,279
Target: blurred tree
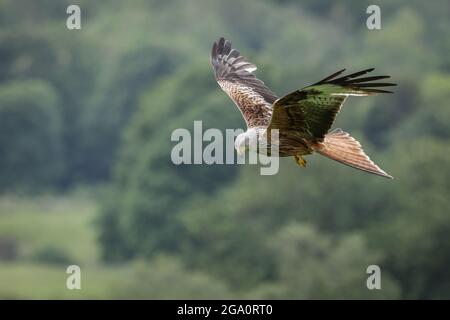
x,y
311,265
52,255
30,136
153,191
415,237
432,117
165,277
115,99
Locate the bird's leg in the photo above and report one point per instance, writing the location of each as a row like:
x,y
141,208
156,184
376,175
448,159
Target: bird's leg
x,y
300,161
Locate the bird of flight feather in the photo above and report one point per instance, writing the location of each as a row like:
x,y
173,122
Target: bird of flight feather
x,y
303,117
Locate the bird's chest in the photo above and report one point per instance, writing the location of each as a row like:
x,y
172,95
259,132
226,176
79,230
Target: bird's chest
x,y
283,143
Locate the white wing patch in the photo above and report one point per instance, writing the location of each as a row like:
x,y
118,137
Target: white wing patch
x,y
251,69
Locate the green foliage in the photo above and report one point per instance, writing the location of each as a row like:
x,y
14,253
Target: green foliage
x,y
415,239
166,278
311,265
52,255
30,135
432,117
8,249
149,212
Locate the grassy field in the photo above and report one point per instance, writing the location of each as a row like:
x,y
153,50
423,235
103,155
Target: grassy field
x,y
47,234
61,224
40,237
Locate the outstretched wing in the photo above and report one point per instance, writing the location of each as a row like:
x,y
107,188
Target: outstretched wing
x,y
234,74
311,111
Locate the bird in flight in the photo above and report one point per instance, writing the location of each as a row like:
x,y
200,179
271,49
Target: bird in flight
x,y
303,118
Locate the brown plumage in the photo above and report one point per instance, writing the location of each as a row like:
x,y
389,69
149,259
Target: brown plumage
x,y
303,118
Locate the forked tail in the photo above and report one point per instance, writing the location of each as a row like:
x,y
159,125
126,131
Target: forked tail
x,y
342,147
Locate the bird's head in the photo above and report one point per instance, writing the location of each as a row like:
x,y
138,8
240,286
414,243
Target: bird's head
x,y
247,141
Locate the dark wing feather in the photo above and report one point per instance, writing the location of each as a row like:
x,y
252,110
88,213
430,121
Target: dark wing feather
x,y
234,74
311,111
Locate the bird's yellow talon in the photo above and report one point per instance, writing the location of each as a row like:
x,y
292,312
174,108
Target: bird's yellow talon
x,y
300,161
